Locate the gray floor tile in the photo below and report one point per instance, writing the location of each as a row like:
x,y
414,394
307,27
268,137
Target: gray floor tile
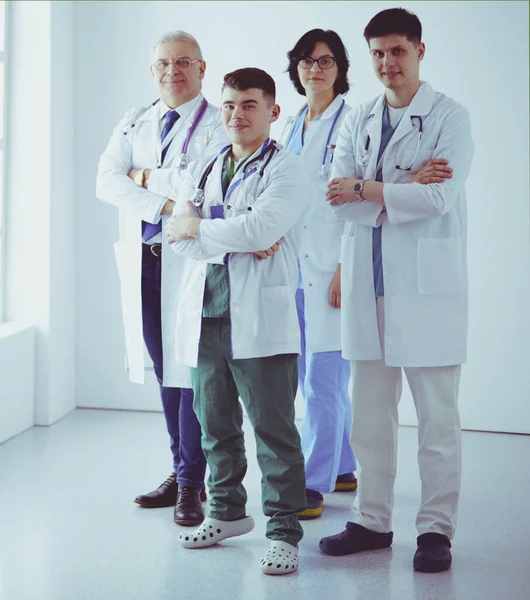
x,y
69,529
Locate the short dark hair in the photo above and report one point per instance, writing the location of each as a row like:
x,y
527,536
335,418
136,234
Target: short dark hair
x,y
305,46
394,21
248,78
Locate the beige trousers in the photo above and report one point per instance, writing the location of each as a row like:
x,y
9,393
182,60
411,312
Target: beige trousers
x,y
376,393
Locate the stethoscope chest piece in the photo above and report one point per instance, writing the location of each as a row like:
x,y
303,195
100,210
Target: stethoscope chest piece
x,y
364,159
198,198
184,161
323,173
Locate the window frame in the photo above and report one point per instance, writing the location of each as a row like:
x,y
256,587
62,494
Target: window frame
x,y
3,161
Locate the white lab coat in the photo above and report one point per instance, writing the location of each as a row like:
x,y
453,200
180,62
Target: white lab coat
x,y
423,237
262,292
321,233
135,143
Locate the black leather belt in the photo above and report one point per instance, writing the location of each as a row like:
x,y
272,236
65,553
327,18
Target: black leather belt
x,y
155,249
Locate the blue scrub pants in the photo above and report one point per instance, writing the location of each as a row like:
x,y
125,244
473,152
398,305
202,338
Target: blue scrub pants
x,y
323,379
189,464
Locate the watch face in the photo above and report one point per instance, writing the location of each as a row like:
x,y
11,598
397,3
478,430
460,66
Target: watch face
x,y
357,187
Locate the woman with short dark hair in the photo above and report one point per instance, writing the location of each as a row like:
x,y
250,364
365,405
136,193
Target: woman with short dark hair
x,y
318,68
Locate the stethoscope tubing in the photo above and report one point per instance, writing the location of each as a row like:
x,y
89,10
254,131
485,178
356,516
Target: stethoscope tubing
x,y
269,147
330,134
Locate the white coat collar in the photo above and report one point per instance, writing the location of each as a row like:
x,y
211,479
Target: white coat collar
x,y
332,109
159,109
329,112
420,104
221,157
184,110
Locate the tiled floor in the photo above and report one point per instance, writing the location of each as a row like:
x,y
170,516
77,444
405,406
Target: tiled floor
x,y
69,529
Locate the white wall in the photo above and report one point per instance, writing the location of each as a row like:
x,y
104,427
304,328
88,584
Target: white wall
x,y
40,194
17,365
477,52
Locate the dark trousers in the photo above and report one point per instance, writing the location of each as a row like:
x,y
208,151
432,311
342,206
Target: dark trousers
x,y
183,427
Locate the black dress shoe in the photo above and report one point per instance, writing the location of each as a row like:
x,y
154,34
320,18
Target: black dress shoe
x,y
164,495
433,554
355,538
188,509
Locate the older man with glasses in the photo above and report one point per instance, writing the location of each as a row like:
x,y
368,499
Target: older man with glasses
x,y
140,173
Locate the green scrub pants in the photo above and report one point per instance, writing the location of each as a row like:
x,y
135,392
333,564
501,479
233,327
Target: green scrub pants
x,y
267,386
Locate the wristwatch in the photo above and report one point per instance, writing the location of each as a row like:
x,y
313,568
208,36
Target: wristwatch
x,y
358,189
139,178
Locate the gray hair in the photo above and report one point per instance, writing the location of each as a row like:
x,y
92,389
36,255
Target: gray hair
x,y
175,36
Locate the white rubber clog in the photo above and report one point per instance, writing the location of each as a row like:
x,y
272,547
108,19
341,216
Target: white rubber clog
x,y
280,559
212,531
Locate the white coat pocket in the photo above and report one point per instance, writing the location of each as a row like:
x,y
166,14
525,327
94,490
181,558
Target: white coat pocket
x,y
441,266
278,309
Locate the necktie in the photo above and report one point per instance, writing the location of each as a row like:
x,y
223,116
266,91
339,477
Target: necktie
x,y
171,118
148,229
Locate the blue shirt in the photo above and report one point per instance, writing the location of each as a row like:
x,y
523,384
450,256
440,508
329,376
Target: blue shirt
x,y
377,253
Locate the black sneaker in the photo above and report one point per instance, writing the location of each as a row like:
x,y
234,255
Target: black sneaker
x,y
433,554
355,538
164,495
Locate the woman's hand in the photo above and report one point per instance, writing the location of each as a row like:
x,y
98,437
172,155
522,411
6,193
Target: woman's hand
x,y
334,290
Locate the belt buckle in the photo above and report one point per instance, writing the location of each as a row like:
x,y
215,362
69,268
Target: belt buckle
x,y
156,250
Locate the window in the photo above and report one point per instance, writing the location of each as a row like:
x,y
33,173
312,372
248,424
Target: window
x,y
2,155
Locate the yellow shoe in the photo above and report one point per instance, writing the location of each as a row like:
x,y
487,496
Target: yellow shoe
x,y
346,483
314,505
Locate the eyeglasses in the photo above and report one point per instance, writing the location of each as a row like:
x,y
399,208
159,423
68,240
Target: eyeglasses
x,y
183,64
324,62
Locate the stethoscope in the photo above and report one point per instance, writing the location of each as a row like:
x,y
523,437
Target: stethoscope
x,y
364,159
269,148
323,173
184,159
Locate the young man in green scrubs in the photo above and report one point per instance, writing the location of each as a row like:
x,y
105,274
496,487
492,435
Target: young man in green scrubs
x,y
237,317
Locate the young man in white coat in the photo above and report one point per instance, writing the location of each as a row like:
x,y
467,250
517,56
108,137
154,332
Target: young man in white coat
x,y
140,172
237,322
404,288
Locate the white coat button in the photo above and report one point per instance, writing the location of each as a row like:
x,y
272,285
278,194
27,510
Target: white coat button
x,y
307,256
234,303
233,267
310,284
